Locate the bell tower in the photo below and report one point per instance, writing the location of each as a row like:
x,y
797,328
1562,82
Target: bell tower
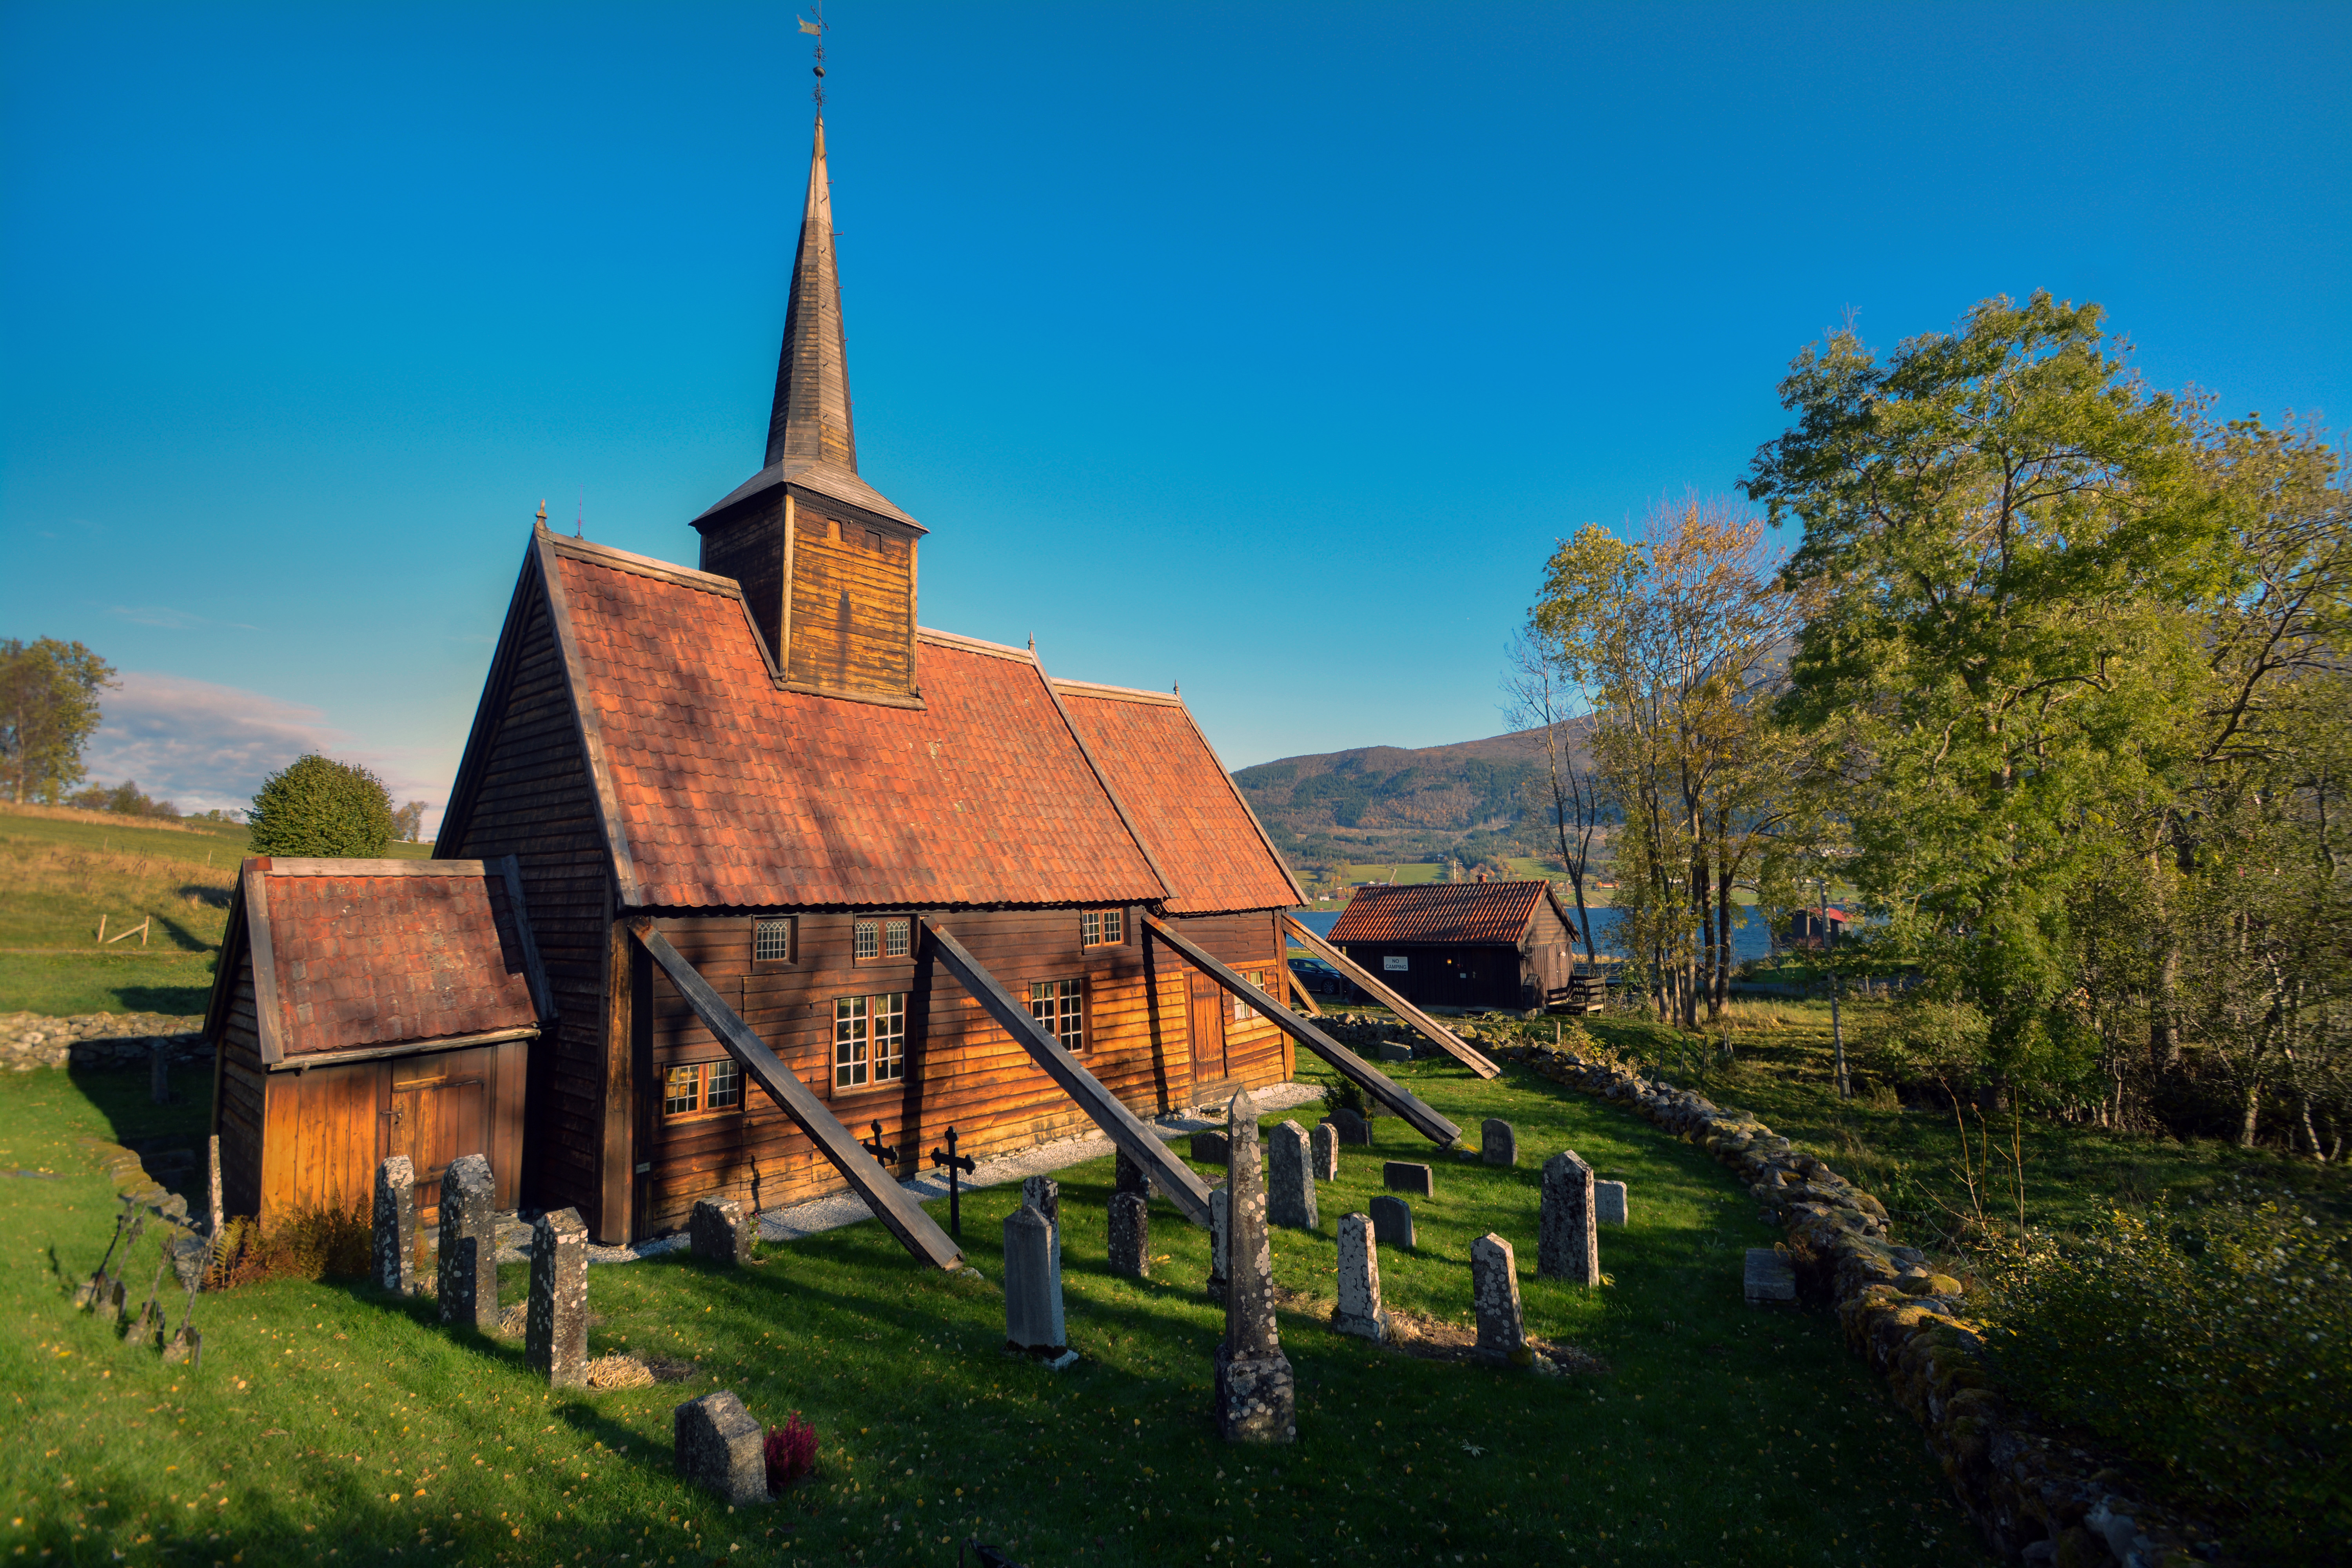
x,y
827,565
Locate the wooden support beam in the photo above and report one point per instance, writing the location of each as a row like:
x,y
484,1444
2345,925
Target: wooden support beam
x,y
1417,1115
1173,1177
1435,1032
1299,986
917,1231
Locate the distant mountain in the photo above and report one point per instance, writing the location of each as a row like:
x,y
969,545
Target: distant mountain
x,y
1472,798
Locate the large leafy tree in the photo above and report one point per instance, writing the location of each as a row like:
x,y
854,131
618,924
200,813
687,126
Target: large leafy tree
x,y
2008,533
321,806
49,709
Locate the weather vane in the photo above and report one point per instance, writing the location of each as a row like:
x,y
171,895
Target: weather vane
x,y
818,28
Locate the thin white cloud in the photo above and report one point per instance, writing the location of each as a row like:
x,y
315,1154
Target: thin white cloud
x,y
204,746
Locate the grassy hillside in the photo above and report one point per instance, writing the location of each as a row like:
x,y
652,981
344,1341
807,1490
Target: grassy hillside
x,y
61,871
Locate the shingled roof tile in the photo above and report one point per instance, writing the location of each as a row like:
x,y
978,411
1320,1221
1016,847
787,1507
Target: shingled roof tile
x,y
1474,914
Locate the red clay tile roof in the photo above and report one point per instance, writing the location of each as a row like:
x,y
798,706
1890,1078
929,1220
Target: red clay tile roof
x,y
728,792
1181,799
378,952
1471,914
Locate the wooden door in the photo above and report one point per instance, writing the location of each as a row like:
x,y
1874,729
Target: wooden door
x,y
1208,1029
437,1117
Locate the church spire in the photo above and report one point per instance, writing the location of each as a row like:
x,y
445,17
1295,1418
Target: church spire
x,y
811,420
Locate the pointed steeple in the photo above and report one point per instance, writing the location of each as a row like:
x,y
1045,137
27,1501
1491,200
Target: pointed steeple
x,y
811,419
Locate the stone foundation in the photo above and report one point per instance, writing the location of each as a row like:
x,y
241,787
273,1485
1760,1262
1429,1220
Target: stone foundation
x,y
100,1040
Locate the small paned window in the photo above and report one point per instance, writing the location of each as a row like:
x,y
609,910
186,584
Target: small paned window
x,y
889,1015
1060,1006
852,1038
889,937
1241,1011
1102,928
898,937
868,942
772,941
698,1086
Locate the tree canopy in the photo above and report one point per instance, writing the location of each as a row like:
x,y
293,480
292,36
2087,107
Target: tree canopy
x,y
319,807
49,709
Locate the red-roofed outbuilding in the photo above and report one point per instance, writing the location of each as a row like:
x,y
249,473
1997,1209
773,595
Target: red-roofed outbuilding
x,y
1462,944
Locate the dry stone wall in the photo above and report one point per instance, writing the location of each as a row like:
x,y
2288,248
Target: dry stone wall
x,y
29,1040
2035,1498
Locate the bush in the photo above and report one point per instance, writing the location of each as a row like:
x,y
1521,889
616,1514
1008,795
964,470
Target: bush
x,y
321,806
2212,1344
790,1451
309,1244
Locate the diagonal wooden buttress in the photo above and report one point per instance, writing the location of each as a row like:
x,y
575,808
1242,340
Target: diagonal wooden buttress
x,y
917,1231
1172,1176
1435,1032
1417,1114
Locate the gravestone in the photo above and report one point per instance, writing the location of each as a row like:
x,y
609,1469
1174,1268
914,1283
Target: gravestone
x,y
719,1232
1045,1195
1209,1149
1130,1235
1326,1150
1567,1244
1221,1219
1498,1142
555,1323
469,1262
1402,1176
394,1265
1256,1394
1494,1294
1032,1284
1129,1177
1394,1051
1359,1310
1290,1180
1770,1277
1351,1127
1392,1222
720,1447
1609,1202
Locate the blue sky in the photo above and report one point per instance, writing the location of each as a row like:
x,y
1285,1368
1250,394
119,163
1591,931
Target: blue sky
x,y
1266,349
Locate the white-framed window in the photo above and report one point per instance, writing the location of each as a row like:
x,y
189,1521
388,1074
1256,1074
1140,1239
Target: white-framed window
x,y
1060,1006
1241,1011
869,1040
694,1089
1102,928
772,941
881,938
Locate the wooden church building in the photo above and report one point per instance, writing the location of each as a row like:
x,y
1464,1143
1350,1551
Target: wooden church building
x,y
809,882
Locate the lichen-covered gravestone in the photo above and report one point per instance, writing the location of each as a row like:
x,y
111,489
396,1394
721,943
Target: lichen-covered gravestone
x,y
1358,1310
1494,1294
1392,1222
720,1447
1609,1202
719,1231
1566,1244
468,1275
555,1321
1403,1176
1130,1235
1209,1148
1045,1195
1127,1176
1326,1150
1498,1142
394,1263
1256,1394
1032,1284
1290,1183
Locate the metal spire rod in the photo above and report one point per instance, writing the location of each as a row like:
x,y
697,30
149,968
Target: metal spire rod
x,y
817,27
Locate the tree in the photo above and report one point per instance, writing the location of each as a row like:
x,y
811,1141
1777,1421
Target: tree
x,y
321,806
49,709
408,822
1542,699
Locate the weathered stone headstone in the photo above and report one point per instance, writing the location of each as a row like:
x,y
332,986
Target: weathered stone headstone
x,y
1129,1177
1353,1128
1325,1138
1609,1202
1256,1395
719,1232
469,1262
1402,1176
1394,1051
1209,1149
1566,1244
1498,1142
1221,1221
1045,1195
1494,1294
1130,1235
720,1446
1290,1180
1392,1222
1032,1284
1359,1310
555,1321
1770,1277
394,1265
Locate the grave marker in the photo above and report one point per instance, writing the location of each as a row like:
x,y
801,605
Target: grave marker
x,y
1130,1235
1359,1310
1770,1277
1291,1186
1392,1222
720,1447
1326,1150
1209,1149
1256,1395
469,1263
1351,1127
1566,1244
1032,1284
395,1227
555,1323
1498,1142
719,1232
1609,1202
1221,1219
1129,1177
1402,1176
1495,1294
1045,1195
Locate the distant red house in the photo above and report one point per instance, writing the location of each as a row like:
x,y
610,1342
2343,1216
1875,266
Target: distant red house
x,y
1805,927
1461,944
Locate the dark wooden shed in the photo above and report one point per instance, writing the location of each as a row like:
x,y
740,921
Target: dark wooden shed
x,y
1461,944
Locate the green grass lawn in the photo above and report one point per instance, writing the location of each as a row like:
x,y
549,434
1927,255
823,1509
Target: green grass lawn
x,y
332,1424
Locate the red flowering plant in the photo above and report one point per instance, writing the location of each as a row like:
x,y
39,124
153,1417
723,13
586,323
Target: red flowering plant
x,y
791,1453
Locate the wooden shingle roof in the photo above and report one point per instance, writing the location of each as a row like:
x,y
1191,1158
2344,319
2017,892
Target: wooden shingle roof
x,y
1467,914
